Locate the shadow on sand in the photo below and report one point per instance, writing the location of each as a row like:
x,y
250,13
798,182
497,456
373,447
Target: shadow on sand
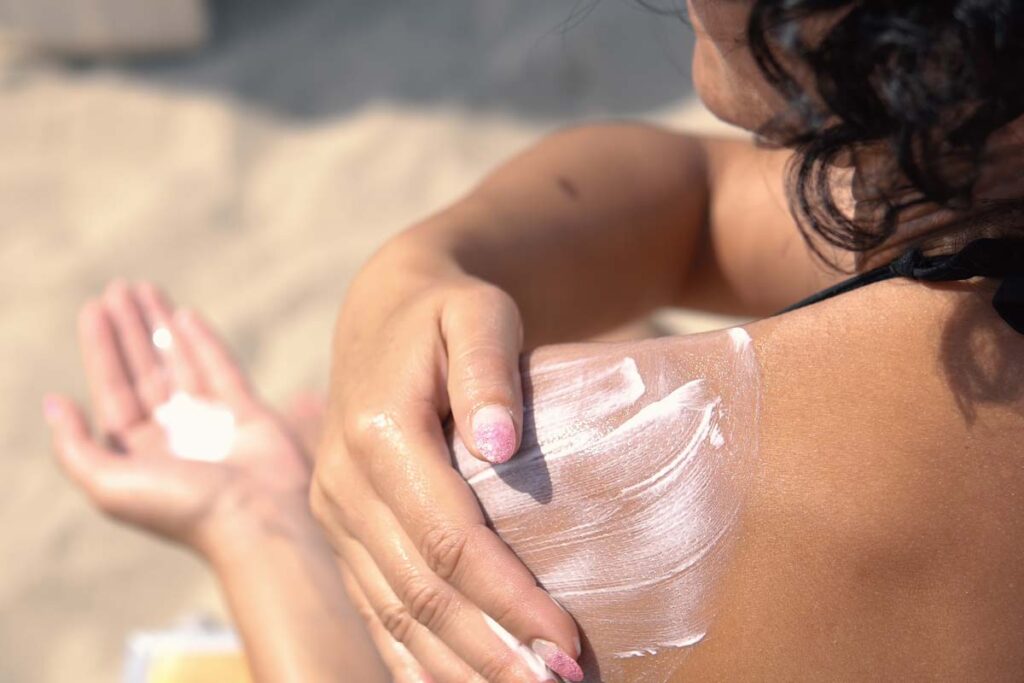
x,y
542,59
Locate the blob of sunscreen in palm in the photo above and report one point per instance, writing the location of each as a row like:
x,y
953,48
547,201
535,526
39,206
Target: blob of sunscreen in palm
x,y
196,429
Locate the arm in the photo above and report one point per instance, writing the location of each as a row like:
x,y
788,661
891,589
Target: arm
x,y
599,224
593,227
244,511
286,597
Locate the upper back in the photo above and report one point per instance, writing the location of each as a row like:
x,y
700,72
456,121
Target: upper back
x,y
884,538
833,494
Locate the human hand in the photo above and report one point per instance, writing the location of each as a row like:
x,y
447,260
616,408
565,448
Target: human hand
x,y
413,345
165,390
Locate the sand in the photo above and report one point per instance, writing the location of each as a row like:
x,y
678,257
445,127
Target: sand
x,y
250,180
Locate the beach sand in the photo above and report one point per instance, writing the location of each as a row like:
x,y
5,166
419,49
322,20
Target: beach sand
x,y
251,180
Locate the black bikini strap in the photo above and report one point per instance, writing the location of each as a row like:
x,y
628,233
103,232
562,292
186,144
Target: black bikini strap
x,y
995,258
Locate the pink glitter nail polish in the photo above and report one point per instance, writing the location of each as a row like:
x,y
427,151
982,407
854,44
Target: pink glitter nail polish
x,y
558,661
494,433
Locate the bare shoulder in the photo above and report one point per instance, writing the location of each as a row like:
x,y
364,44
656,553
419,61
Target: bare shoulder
x,y
755,260
882,540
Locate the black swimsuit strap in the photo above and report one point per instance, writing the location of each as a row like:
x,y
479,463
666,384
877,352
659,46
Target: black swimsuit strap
x,y
1002,259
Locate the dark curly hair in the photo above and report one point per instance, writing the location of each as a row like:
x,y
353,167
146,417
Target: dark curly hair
x,y
929,80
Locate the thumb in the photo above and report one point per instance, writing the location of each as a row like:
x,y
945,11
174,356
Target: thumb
x,y
483,334
144,492
88,464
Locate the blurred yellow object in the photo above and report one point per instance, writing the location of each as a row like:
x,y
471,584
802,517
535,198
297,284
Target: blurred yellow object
x,y
213,668
105,27
197,653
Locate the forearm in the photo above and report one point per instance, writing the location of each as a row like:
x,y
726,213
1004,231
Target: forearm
x,y
592,227
288,601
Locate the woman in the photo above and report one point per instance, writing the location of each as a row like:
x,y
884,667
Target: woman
x,y
878,537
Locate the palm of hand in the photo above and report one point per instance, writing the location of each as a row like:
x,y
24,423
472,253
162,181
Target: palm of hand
x,y
176,496
137,477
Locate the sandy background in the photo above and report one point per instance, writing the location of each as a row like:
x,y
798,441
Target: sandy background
x,y
251,179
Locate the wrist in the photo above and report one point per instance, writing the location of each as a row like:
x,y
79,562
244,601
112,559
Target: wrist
x,y
242,529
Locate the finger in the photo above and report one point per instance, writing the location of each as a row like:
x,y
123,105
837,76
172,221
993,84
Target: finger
x,y
140,490
424,599
434,505
483,334
400,662
173,346
430,653
223,376
88,464
113,397
135,341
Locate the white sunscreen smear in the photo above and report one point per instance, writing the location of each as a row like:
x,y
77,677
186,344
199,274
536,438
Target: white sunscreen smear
x,y
196,429
625,495
529,657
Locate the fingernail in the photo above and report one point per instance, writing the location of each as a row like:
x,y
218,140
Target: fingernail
x,y
494,433
576,638
559,662
51,409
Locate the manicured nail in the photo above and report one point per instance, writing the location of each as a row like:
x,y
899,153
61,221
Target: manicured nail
x,y
51,409
576,638
494,433
559,662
